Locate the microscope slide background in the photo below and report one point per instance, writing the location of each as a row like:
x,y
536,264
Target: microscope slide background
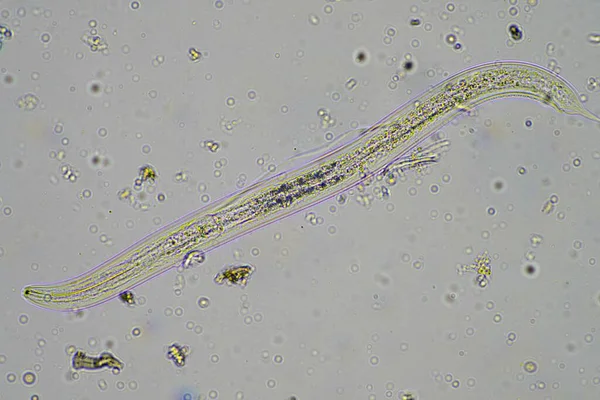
x,y
349,300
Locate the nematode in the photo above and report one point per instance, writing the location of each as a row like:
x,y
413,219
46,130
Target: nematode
x,y
374,150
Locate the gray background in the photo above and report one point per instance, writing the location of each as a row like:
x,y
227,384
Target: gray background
x,y
359,306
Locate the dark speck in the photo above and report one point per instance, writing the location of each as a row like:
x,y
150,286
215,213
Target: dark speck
x,y
361,57
95,160
515,32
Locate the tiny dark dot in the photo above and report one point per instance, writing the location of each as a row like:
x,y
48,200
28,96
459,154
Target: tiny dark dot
x,y
361,57
530,269
408,65
528,123
95,88
95,160
9,79
498,185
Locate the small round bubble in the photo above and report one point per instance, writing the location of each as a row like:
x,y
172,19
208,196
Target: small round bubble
x,y
29,378
451,39
45,37
530,367
203,302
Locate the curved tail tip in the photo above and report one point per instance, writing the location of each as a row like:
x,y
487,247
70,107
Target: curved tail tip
x,y
591,116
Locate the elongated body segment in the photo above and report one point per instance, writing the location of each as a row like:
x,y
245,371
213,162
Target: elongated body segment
x,y
338,169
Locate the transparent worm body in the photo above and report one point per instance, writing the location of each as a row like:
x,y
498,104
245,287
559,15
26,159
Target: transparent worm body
x,y
374,150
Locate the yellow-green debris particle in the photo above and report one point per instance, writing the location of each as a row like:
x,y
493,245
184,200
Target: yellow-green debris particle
x,y
235,275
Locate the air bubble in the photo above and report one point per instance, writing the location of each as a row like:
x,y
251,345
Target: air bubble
x,y
11,377
29,378
45,37
451,39
530,367
203,302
